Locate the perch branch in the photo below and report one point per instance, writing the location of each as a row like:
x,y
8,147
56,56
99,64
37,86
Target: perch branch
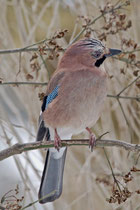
x,y
19,148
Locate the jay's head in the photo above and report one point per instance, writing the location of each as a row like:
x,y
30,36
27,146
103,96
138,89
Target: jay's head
x,y
88,52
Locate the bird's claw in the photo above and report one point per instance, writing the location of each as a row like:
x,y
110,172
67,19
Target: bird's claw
x,y
92,141
57,141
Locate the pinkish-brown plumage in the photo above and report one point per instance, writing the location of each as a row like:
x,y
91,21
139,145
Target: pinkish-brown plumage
x,y
81,93
80,98
73,103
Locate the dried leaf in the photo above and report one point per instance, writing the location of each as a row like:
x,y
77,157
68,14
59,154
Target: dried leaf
x,y
34,56
138,84
29,77
135,73
137,191
134,169
41,96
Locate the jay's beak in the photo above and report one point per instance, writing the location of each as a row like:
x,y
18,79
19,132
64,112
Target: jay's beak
x,y
113,52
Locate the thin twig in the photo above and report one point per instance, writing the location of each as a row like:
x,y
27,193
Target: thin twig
x,y
31,204
126,61
127,122
115,180
19,148
97,18
132,51
137,98
17,50
128,86
32,48
25,49
23,83
123,112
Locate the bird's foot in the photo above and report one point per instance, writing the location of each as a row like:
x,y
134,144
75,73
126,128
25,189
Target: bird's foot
x,y
92,139
57,140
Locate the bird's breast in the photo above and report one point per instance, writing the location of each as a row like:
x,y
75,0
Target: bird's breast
x,y
88,108
79,103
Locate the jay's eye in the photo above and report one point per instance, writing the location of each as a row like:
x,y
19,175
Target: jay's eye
x,y
96,54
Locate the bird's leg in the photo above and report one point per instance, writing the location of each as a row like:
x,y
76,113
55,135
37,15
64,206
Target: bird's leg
x,y
92,139
57,140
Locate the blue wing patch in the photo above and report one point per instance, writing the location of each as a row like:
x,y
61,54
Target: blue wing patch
x,y
48,99
51,96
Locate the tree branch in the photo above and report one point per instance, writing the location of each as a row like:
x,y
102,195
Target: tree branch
x,y
137,98
128,86
32,48
17,50
19,148
23,83
25,49
97,18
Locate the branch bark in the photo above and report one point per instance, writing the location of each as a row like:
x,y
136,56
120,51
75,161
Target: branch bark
x,y
19,148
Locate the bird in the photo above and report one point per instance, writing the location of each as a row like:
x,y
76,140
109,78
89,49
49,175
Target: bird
x,y
73,103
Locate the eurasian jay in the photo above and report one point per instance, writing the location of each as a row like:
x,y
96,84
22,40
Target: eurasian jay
x,y
73,102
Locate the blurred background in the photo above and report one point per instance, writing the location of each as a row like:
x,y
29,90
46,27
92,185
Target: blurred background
x,y
88,180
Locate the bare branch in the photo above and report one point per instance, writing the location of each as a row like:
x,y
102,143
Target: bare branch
x,y
31,48
23,83
19,148
128,86
97,18
17,50
24,49
137,98
126,61
132,51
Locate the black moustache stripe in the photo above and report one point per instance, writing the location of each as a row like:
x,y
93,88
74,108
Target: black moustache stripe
x,y
100,61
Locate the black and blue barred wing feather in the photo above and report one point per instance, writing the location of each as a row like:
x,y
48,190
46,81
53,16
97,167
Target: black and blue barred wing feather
x,y
43,131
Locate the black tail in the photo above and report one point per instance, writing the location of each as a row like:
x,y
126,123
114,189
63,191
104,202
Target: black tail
x,y
52,178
